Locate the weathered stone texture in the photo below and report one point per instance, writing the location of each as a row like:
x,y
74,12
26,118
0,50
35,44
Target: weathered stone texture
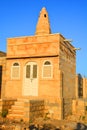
x,y
79,107
67,64
46,45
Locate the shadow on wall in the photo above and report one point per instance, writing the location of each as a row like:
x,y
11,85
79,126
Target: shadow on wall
x,y
81,126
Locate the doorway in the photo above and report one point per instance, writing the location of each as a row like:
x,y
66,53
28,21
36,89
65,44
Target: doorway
x,y
30,79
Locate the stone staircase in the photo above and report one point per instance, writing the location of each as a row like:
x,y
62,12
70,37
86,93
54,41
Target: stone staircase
x,y
17,111
26,109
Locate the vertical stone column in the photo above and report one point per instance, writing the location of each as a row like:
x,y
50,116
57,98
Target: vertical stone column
x,y
26,110
74,104
61,110
60,83
84,88
76,86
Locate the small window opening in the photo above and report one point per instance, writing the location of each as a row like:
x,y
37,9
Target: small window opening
x,y
15,71
45,15
47,63
15,64
47,70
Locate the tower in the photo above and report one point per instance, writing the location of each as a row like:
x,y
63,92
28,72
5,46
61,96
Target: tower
x,y
43,25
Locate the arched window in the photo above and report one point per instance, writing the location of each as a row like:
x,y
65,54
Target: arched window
x,y
47,69
15,71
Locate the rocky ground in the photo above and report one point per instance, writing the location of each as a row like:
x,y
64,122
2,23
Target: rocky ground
x,y
44,124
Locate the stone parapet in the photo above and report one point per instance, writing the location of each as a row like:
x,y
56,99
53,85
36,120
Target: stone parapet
x,y
46,45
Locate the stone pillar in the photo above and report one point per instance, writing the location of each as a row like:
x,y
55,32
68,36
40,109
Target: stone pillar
x,y
76,86
84,88
26,110
60,84
74,104
61,110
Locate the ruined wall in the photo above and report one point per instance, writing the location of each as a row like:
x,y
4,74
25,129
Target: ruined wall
x,y
81,86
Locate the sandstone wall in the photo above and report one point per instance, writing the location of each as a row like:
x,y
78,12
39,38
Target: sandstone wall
x,y
67,64
46,86
84,87
3,76
79,107
31,46
46,107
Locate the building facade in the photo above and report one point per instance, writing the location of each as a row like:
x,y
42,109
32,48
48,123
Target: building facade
x,y
41,67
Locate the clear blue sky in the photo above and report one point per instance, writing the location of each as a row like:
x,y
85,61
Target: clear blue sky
x,y
68,17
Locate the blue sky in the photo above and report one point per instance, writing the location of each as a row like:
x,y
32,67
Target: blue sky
x,y
68,17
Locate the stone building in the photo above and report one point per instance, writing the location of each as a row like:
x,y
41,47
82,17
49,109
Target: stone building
x,y
40,69
79,105
81,87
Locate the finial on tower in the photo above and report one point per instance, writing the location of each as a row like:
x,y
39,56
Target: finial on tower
x,y
43,24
